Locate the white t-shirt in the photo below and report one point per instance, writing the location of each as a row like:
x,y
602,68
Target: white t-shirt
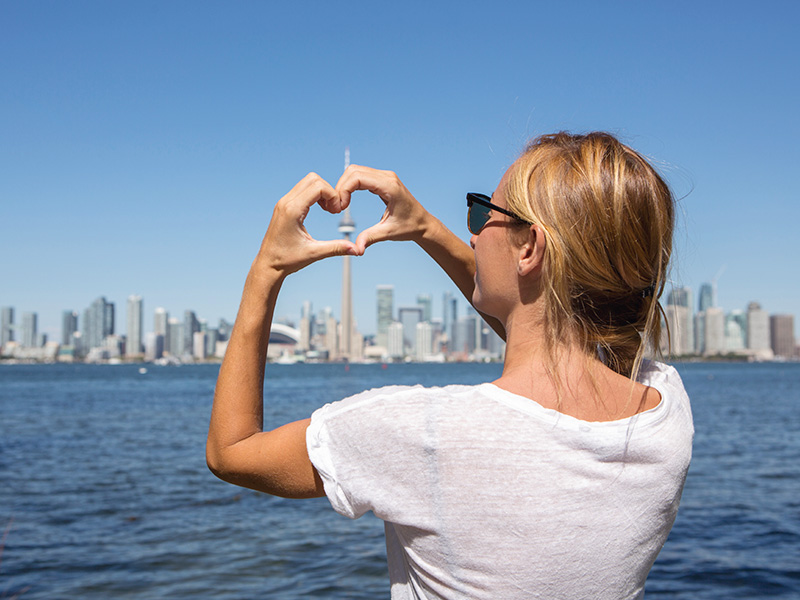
x,y
486,494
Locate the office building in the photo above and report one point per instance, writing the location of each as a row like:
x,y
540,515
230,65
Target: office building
x,y
706,297
423,347
714,326
465,334
409,316
69,325
680,296
190,326
735,332
782,335
97,323
450,315
175,341
135,313
740,317
28,339
394,347
385,314
160,321
199,345
678,337
425,302
6,325
224,330
331,338
757,328
153,346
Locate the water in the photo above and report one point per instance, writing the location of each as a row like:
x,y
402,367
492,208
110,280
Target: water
x,y
104,484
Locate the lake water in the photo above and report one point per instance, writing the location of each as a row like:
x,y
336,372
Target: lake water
x,y
105,492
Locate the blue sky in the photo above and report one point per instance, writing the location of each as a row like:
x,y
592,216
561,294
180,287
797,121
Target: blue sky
x,y
144,145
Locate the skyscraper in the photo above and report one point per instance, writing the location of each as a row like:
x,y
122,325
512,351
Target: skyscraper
x,y
385,314
465,333
714,331
782,334
734,332
757,328
680,322
707,299
425,302
133,346
160,321
6,325
97,323
190,326
69,325
423,346
395,340
409,316
346,227
29,330
174,342
449,317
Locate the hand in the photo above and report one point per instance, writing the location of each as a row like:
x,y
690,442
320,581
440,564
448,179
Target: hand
x,y
287,246
404,217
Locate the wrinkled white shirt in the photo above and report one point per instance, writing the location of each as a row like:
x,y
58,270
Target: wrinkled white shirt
x,y
486,494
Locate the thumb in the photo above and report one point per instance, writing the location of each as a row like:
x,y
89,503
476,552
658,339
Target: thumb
x,y
371,235
320,249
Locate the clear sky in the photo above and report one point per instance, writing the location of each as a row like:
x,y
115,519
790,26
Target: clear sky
x,y
143,145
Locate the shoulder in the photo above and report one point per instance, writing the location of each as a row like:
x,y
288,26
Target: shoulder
x,y
397,396
674,398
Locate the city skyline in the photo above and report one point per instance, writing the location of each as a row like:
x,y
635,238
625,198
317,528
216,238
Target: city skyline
x,y
144,147
711,335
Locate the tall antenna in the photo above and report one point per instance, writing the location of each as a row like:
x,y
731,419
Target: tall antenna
x,y
346,227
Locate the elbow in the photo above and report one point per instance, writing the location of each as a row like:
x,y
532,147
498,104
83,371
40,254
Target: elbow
x,y
215,462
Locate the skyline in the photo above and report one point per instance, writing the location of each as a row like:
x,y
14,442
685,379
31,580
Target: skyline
x,y
145,145
435,305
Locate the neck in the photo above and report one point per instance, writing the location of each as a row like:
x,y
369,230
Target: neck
x,y
529,369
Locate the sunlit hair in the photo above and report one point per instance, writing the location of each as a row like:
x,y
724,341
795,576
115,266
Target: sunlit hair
x,y
608,219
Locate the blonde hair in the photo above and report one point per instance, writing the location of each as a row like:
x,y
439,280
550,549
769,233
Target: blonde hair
x,y
608,219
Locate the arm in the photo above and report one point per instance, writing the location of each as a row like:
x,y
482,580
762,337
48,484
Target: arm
x,y
406,219
237,449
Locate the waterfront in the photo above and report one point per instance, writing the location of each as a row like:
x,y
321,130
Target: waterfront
x,y
102,471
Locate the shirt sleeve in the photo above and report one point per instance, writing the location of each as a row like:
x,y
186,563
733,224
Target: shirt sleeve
x,y
356,448
321,451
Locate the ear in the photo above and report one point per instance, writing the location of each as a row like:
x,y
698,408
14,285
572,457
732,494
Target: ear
x,y
531,253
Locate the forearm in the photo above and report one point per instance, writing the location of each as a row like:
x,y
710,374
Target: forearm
x,y
237,411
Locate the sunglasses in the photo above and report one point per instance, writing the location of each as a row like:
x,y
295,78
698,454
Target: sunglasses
x,y
479,210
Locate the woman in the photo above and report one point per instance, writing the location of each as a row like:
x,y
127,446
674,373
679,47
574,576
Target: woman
x,y
562,478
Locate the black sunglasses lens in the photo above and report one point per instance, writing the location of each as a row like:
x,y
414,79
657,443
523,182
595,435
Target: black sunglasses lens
x,y
477,217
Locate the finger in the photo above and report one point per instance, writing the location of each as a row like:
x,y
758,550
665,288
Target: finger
x,y
371,235
385,184
312,188
333,206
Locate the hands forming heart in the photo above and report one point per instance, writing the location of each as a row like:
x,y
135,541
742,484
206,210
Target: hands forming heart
x,y
288,247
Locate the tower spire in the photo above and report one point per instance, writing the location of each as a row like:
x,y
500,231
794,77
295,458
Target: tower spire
x,y
346,227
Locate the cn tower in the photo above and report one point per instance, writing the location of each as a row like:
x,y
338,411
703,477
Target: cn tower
x,y
346,227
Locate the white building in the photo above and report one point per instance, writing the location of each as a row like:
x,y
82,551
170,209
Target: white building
x,y
757,328
133,346
395,340
680,325
424,341
714,331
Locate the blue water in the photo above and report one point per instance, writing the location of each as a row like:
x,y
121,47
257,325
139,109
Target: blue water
x,y
105,492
